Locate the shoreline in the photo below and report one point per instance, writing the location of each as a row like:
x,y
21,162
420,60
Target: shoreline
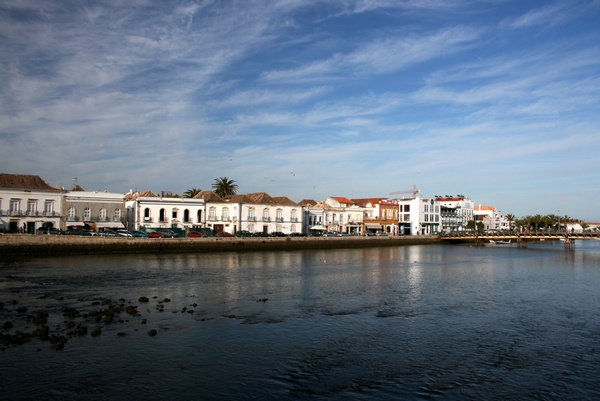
x,y
17,247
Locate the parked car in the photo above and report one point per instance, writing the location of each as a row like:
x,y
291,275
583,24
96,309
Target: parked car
x,y
260,234
169,233
224,234
343,235
124,233
156,234
297,235
107,233
196,234
329,234
381,234
139,234
51,231
243,233
278,234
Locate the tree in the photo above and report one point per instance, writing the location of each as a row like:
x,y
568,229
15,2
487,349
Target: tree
x,y
190,193
511,219
224,186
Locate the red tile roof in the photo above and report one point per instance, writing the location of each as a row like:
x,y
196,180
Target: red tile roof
x,y
22,181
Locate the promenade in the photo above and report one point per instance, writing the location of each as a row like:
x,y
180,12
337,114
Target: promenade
x,y
16,247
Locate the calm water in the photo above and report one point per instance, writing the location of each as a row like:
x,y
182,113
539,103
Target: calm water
x,y
415,322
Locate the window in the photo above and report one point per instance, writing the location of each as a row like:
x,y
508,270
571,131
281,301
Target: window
x,y
199,216
48,207
147,212
87,214
279,215
71,213
117,215
103,214
225,214
174,213
266,214
251,215
31,206
14,206
293,215
212,213
161,215
186,216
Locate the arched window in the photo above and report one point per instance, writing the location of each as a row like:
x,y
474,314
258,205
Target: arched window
x,y
266,214
103,214
161,216
294,215
71,213
147,212
186,216
279,215
225,214
87,214
212,213
251,215
199,216
117,215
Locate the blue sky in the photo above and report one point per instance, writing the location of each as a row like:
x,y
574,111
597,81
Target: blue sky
x,y
498,100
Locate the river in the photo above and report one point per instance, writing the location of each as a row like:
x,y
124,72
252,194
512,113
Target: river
x,y
411,322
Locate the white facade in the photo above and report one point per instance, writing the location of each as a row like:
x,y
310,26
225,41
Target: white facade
x,y
28,203
148,211
491,217
456,212
418,216
255,213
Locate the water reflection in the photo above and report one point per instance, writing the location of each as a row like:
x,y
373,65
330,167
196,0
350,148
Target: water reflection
x,y
407,322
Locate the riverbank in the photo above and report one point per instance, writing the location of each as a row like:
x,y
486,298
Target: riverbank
x,y
18,247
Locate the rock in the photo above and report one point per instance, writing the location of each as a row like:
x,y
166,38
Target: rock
x,y
96,332
143,299
152,332
7,325
121,334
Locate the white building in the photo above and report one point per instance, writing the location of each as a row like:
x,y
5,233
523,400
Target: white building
x,y
345,216
27,203
491,217
147,210
456,212
255,212
418,216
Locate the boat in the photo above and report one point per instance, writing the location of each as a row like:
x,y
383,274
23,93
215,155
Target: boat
x,y
500,242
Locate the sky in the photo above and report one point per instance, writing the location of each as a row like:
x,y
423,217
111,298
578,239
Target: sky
x,y
497,100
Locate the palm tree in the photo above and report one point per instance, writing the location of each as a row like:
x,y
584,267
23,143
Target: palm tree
x,y
510,218
224,186
190,193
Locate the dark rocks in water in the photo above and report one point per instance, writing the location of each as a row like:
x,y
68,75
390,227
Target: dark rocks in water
x,y
166,300
152,332
121,334
96,332
81,330
7,325
143,299
21,309
69,324
144,321
262,300
70,313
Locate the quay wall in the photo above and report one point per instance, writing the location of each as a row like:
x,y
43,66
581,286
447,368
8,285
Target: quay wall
x,y
14,247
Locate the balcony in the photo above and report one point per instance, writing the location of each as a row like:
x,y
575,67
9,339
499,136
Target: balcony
x,y
266,218
251,218
279,219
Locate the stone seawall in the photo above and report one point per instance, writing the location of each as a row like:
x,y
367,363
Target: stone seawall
x,y
17,247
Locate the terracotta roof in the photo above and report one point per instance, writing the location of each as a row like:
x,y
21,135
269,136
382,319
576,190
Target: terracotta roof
x,y
22,181
77,187
364,201
480,207
284,201
341,199
209,196
307,202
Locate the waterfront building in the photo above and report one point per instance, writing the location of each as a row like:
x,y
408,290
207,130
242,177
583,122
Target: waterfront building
x,y
418,216
27,203
455,212
148,211
93,210
347,216
490,217
372,221
313,217
256,213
